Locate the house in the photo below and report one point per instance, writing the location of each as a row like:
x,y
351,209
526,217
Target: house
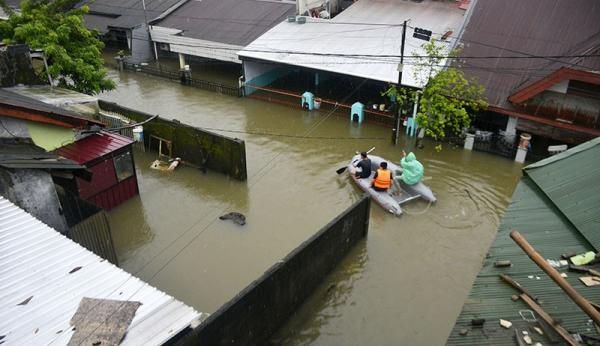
x,y
109,157
555,207
359,49
56,292
124,24
542,71
217,29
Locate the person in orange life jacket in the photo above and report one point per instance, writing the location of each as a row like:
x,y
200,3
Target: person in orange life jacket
x,y
383,178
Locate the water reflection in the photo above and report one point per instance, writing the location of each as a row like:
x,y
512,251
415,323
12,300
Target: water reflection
x,y
326,300
407,282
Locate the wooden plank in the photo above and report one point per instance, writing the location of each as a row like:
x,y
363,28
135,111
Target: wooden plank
x,y
544,315
102,321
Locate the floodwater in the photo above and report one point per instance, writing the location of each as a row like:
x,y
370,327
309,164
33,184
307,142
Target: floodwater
x,y
405,284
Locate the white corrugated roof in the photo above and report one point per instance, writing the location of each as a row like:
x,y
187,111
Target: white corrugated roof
x,y
345,34
35,261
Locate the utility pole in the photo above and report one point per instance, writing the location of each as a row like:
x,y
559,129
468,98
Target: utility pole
x,y
396,130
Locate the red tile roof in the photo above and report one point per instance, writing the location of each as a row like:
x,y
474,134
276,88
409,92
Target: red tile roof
x,y
93,147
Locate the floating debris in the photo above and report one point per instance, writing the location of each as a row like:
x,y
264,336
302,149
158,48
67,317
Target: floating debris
x,y
238,218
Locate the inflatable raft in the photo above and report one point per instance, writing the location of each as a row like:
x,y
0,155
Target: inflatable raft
x,y
387,200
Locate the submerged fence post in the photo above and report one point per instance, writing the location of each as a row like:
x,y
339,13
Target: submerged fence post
x,y
469,141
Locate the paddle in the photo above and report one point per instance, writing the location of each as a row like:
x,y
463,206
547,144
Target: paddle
x,y
343,169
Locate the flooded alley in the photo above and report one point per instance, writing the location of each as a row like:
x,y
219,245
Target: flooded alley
x,y
405,284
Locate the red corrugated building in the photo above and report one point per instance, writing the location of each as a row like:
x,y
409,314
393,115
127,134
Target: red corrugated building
x,y
110,158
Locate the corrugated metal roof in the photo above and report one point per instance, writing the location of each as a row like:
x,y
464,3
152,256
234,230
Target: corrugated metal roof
x,y
93,146
344,35
236,22
572,182
10,97
125,14
525,28
35,262
536,217
26,155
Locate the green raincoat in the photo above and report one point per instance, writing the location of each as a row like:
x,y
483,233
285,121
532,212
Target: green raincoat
x,y
412,170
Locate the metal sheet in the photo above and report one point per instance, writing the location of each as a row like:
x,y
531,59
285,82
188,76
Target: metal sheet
x,y
234,22
551,233
94,147
36,261
526,28
572,182
318,43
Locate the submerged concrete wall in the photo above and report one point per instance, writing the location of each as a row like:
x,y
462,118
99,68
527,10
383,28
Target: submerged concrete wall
x,y
193,145
259,310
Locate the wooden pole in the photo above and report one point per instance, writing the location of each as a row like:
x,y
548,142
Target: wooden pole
x,y
506,278
555,275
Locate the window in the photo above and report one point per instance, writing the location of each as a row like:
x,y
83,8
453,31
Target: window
x,y
123,165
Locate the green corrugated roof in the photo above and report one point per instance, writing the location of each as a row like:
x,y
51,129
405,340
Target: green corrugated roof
x,y
536,216
572,182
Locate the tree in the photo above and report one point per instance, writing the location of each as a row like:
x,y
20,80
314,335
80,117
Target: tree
x,y
74,53
448,99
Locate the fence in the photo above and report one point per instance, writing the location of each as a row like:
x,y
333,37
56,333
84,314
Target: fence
x,y
176,75
193,145
94,234
256,313
88,224
496,143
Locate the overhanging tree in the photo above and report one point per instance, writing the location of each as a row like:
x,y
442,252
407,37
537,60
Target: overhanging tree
x,y
448,100
74,53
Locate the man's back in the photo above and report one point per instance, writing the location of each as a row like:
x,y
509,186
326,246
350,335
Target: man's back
x,y
365,166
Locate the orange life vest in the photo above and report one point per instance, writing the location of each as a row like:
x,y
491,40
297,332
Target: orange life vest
x,y
384,179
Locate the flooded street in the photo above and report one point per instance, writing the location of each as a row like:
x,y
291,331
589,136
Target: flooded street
x,y
404,285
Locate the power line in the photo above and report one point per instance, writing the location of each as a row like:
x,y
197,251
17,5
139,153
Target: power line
x,y
274,51
305,135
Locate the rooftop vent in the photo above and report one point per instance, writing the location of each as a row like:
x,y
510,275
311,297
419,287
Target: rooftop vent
x,y
291,19
301,20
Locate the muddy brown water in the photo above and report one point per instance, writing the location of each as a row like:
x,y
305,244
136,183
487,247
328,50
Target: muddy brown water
x,y
405,284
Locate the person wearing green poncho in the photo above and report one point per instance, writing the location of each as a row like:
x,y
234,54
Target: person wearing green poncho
x,y
412,171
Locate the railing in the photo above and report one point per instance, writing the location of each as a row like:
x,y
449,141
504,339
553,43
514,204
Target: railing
x,y
496,143
176,75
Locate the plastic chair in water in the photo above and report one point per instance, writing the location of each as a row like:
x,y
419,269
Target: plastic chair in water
x,y
411,126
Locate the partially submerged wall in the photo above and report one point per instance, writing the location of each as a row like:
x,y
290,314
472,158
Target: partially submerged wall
x,y
259,310
193,145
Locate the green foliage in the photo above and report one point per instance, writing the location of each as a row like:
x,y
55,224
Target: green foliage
x,y
73,52
448,99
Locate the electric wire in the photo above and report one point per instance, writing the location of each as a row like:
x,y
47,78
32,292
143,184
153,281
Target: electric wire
x,y
258,176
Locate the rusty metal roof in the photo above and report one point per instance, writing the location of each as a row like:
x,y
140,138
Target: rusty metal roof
x,y
528,28
93,147
536,212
